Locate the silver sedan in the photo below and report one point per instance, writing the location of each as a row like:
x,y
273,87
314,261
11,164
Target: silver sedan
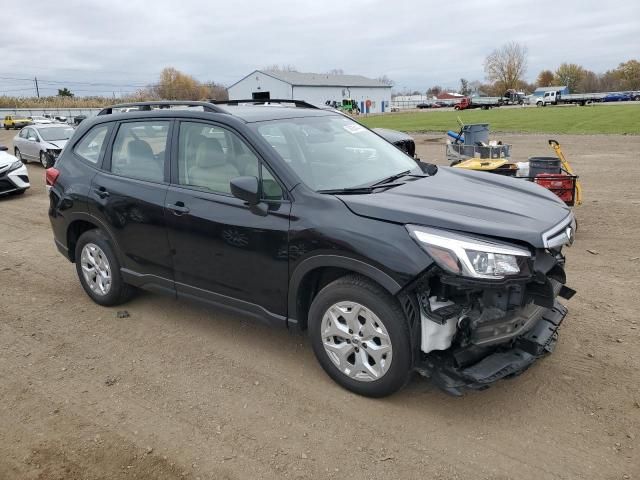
x,y
41,143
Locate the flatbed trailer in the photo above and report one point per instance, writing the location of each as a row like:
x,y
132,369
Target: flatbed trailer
x,y
556,98
478,102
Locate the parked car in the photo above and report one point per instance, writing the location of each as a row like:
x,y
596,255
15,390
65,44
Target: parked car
x,y
422,106
42,143
40,120
14,177
617,97
15,121
304,218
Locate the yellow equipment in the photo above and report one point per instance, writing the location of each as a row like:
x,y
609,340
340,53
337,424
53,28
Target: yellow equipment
x,y
498,165
565,165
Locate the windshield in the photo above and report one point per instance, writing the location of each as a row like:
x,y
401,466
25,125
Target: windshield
x,y
334,152
55,133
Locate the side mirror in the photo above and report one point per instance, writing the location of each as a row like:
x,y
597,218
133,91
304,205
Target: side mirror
x,y
247,189
31,139
3,148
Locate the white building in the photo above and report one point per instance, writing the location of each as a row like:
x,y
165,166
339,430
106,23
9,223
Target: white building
x,y
316,88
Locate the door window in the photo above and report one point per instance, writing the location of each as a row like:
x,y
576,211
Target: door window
x,y
139,150
23,133
210,156
91,144
31,134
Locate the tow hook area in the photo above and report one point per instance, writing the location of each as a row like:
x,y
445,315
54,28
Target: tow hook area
x,y
505,361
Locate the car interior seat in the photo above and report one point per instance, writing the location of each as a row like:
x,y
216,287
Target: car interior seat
x,y
212,168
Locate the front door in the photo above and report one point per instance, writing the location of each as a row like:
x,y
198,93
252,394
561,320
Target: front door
x,y
129,193
223,251
31,148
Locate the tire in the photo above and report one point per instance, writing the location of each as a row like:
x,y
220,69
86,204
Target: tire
x,y
6,127
385,329
118,291
44,160
18,155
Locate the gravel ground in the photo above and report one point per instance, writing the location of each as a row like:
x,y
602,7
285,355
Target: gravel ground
x,y
180,391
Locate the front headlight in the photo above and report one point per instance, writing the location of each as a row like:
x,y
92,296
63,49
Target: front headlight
x,y
15,165
469,256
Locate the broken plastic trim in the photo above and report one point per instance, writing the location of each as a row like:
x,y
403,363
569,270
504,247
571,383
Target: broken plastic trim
x,y
538,342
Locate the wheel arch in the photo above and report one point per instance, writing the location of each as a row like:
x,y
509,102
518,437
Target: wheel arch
x,y
80,223
314,273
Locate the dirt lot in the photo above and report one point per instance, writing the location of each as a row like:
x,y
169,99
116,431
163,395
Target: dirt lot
x,y
180,391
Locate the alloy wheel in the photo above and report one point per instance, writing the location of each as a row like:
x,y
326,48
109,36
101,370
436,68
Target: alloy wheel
x,y
96,269
356,341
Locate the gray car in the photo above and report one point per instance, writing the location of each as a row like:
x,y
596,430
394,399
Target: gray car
x,y
42,143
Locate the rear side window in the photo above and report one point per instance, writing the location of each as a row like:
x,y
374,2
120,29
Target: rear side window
x,y
91,144
139,150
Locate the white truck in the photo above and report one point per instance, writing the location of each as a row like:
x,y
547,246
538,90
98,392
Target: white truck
x,y
557,98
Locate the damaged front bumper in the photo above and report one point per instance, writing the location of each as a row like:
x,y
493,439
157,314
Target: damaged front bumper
x,y
473,333
506,362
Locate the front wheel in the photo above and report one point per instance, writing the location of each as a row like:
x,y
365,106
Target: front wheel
x,y
44,160
360,336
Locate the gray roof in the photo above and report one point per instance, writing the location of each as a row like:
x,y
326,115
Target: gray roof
x,y
302,79
550,89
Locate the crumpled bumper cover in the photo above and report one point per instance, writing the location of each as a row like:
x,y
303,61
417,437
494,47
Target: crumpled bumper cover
x,y
537,342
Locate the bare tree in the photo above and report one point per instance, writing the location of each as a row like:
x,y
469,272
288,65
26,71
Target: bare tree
x,y
434,91
464,87
280,68
386,80
507,65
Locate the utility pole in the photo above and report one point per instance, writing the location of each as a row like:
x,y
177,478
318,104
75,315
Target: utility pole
x,y
35,79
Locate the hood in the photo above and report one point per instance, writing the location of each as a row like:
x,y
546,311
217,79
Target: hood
x,y
392,136
467,201
57,143
6,159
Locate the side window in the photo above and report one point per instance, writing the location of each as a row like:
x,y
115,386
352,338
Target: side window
x,y
270,188
139,150
23,133
210,156
91,144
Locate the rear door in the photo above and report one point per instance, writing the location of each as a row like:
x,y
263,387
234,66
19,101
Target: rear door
x,y
129,193
225,251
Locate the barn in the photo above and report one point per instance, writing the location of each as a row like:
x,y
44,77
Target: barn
x,y
372,96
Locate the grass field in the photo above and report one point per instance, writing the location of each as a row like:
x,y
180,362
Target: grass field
x,y
605,119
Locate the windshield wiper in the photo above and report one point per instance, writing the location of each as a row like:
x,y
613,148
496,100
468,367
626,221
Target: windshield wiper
x,y
393,178
358,190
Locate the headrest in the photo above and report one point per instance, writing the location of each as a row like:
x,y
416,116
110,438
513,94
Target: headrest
x,y
139,149
210,154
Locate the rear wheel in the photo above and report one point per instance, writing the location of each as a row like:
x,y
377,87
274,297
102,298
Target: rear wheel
x,y
360,336
99,270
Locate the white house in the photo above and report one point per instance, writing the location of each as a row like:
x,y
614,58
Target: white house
x,y
316,88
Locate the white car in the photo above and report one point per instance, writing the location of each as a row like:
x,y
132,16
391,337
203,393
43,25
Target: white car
x,y
41,143
40,120
14,177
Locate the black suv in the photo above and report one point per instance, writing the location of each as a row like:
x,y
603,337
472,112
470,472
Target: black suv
x,y
304,218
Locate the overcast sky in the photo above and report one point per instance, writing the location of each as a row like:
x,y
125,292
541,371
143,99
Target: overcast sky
x,y
120,44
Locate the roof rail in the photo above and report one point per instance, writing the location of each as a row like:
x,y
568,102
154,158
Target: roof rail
x,y
270,101
161,104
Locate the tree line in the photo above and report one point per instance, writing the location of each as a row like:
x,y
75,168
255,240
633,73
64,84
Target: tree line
x,y
505,68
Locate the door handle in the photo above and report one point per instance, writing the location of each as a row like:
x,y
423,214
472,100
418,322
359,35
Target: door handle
x,y
178,208
102,192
